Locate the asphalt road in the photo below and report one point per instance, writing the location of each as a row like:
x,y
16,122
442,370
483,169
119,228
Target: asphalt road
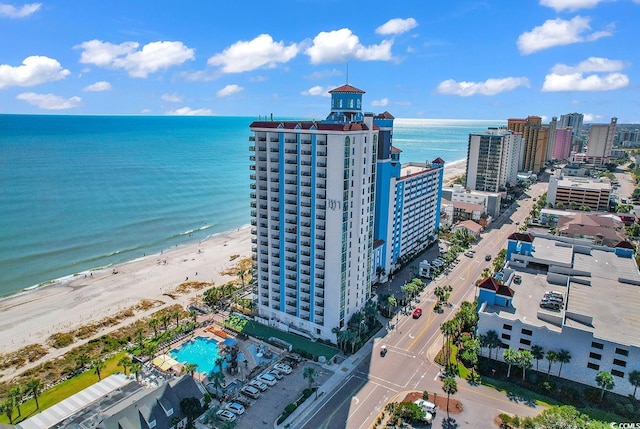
x,y
412,343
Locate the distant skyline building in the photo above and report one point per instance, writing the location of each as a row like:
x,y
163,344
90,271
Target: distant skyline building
x,y
313,215
492,159
553,126
535,138
600,141
562,143
573,121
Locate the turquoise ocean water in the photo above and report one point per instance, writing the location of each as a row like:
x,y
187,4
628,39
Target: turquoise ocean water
x,y
81,192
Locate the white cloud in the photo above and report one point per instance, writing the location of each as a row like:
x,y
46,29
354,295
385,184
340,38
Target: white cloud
x,y
570,5
591,64
324,74
244,56
554,82
572,78
97,87
11,11
488,87
49,101
318,90
341,45
188,111
558,32
33,71
590,117
383,102
171,98
397,26
229,90
138,63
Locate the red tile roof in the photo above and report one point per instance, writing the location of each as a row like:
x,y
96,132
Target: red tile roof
x,y
624,245
438,160
385,115
521,237
490,283
395,149
347,88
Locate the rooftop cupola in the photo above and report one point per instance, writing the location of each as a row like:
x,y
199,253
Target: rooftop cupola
x,y
346,104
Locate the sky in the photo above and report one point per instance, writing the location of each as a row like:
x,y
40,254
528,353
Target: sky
x,y
494,59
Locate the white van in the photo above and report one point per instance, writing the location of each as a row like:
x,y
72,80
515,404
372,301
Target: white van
x,y
429,407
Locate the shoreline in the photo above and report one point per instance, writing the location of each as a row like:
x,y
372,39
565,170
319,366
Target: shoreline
x,y
61,305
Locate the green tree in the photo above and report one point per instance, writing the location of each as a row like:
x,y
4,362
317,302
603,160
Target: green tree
x,y
164,319
190,368
493,341
525,361
191,408
15,393
450,387
125,363
34,386
242,274
310,374
97,365
634,380
605,381
563,417
510,357
563,357
153,324
538,353
81,360
176,315
391,303
551,358
7,408
136,368
218,380
139,334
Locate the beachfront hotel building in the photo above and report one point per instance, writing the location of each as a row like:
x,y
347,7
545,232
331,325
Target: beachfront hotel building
x,y
493,157
596,324
313,211
535,139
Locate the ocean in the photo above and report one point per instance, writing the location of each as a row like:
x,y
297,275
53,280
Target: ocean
x,y
82,192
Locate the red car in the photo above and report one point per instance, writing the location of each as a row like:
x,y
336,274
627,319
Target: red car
x,y
417,313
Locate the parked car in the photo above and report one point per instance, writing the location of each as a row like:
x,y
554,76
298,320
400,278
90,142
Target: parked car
x,y
258,384
517,279
226,415
235,408
283,368
417,313
469,254
487,258
277,374
267,379
383,350
250,391
550,305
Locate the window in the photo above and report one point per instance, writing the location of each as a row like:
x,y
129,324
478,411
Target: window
x,y
593,355
622,352
506,327
506,336
525,341
617,373
597,345
593,366
527,332
504,345
619,362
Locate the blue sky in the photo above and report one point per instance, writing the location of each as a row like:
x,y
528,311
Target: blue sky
x,y
416,59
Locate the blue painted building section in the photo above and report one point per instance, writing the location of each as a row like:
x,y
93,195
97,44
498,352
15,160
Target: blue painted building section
x,y
520,244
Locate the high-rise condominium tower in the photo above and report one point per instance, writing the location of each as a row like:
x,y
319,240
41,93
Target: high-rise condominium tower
x,y
313,213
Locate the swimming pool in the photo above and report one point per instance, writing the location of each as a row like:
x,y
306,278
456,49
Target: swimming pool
x,y
202,351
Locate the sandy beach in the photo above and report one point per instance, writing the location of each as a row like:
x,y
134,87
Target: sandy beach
x,y
31,317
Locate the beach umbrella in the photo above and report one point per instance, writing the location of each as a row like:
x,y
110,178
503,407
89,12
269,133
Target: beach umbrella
x,y
230,342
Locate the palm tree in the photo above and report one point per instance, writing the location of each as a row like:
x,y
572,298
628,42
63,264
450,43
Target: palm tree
x,y
153,324
510,357
125,363
218,379
538,353
242,274
551,357
98,366
563,357
391,303
634,380
15,393
34,386
219,361
190,368
336,330
136,368
150,349
139,336
450,387
7,408
194,315
605,381
310,374
164,319
176,314
493,341
525,361
81,360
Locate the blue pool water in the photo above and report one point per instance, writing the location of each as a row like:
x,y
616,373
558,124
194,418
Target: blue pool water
x,y
201,351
